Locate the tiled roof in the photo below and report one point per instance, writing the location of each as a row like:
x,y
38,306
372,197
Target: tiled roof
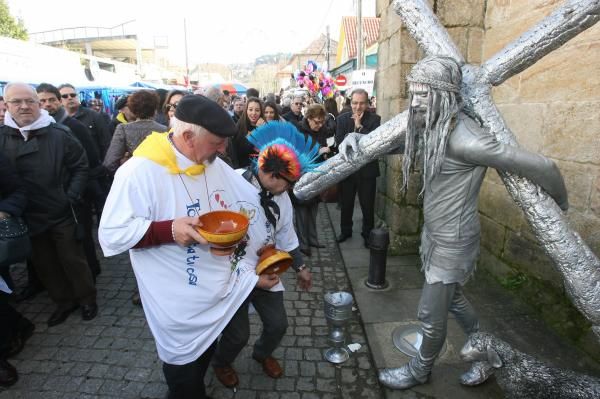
x,y
370,27
317,46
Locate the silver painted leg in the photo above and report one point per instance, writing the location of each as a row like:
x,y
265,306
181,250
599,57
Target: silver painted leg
x,y
408,339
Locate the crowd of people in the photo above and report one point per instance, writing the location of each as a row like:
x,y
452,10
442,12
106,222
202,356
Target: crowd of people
x,y
143,176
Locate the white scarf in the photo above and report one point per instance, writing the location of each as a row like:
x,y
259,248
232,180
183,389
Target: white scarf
x,y
44,120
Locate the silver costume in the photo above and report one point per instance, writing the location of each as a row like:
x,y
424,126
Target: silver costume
x,y
451,231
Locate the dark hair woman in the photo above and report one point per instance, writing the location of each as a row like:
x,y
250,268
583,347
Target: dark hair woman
x,y
171,102
271,112
251,118
313,126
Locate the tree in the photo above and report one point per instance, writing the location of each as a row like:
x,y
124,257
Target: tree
x,y
9,27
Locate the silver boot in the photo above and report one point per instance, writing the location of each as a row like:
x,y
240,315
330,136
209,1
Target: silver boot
x,y
399,378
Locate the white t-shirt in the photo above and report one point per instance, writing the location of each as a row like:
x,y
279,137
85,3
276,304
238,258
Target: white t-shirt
x,y
189,295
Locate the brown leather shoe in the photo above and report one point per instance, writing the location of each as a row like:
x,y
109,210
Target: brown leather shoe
x,y
8,374
227,376
270,366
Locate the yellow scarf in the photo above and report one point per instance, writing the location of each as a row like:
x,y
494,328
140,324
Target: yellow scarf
x,y
121,118
156,147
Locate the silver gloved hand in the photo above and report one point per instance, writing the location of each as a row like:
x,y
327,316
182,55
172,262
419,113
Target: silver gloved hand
x,y
350,145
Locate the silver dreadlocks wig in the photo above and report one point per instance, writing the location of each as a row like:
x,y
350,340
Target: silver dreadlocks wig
x,y
442,77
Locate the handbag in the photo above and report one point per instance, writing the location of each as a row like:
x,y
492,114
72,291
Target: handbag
x,y
15,245
331,194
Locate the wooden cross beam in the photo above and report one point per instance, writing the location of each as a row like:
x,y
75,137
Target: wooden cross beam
x,y
578,265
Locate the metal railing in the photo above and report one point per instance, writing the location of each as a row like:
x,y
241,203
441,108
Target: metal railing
x,y
126,29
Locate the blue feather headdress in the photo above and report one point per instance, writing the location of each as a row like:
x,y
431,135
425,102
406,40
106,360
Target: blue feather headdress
x,y
282,149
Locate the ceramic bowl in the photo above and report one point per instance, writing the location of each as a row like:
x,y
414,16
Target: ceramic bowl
x,y
273,260
223,228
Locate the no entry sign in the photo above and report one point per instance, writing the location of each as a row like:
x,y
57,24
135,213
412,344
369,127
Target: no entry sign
x,y
341,80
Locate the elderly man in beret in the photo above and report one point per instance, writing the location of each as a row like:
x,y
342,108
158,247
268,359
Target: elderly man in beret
x,y
189,294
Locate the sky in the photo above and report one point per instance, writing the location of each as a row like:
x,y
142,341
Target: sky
x,y
221,31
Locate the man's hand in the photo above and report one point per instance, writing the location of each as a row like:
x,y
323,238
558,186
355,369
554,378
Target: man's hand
x,y
357,118
185,233
267,281
350,145
304,278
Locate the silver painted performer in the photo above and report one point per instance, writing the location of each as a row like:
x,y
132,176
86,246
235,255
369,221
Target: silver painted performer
x,y
448,138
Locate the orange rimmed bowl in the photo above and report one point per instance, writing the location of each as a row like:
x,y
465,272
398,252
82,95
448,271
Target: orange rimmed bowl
x,y
273,260
223,229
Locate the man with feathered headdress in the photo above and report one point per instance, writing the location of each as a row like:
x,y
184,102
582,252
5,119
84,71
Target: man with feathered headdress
x,y
455,151
284,155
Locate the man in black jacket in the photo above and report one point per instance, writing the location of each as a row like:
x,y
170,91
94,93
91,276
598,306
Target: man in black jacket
x,y
54,168
360,120
91,119
50,101
295,114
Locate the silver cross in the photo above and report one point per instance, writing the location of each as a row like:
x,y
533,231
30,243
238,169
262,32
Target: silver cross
x,y
579,266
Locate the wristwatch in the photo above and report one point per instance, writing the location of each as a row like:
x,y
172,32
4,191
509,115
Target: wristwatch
x,y
302,267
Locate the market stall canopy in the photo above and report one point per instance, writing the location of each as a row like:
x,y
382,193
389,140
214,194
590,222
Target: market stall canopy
x,y
233,88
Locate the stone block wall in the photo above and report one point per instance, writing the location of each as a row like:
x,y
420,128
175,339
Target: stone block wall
x,y
553,108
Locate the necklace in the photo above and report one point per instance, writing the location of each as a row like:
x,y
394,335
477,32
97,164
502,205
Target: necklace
x,y
186,187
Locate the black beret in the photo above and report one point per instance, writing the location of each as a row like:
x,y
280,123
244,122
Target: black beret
x,y
121,102
202,111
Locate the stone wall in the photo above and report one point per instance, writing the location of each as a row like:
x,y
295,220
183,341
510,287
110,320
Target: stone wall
x,y
553,108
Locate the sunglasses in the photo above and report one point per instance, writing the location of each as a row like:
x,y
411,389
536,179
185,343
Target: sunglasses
x,y
168,107
72,95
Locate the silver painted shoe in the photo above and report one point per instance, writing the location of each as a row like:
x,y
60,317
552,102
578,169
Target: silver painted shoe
x,y
477,374
399,378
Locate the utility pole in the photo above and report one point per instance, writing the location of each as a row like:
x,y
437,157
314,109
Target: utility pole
x,y
187,66
328,51
359,35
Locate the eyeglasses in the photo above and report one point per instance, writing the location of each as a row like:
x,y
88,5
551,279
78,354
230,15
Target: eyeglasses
x,y
173,106
72,95
27,101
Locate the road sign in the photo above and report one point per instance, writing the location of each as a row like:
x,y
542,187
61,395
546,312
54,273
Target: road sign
x,y
341,80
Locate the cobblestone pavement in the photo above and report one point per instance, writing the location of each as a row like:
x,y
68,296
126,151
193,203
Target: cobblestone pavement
x,y
114,356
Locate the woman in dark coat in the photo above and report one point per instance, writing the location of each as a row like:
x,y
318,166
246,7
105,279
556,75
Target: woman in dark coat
x,y
14,328
251,118
313,125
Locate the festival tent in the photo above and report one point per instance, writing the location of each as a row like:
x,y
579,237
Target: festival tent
x,y
233,88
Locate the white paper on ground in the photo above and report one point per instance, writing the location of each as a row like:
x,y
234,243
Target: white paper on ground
x,y
354,347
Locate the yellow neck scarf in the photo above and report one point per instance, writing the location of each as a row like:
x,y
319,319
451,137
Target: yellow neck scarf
x,y
156,147
121,118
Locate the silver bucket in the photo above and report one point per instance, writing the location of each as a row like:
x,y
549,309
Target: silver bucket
x,y
338,307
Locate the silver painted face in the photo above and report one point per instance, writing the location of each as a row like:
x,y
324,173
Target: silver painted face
x,y
420,96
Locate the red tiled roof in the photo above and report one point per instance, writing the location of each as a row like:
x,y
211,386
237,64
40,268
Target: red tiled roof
x,y
317,46
370,27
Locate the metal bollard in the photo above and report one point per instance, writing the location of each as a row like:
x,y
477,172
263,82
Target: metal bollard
x,y
379,241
